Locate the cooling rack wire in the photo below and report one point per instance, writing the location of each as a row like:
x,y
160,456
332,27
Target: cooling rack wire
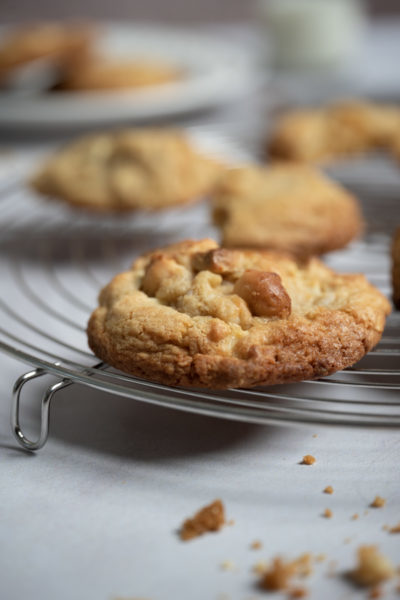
x,y
53,263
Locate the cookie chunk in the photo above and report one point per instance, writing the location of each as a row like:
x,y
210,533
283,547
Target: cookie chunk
x,y
341,129
195,314
209,518
46,40
131,169
104,74
396,268
286,207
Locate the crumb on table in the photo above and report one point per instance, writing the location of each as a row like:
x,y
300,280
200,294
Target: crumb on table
x,y
280,574
376,592
298,592
228,565
256,545
354,517
378,502
260,567
395,528
209,518
328,489
328,514
372,568
308,459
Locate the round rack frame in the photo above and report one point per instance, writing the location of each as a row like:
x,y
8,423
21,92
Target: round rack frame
x,y
53,263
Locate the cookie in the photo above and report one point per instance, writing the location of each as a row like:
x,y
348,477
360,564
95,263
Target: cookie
x,y
288,207
46,40
339,130
195,314
396,268
105,74
131,169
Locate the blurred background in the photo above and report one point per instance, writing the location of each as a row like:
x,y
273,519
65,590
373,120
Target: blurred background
x,y
171,11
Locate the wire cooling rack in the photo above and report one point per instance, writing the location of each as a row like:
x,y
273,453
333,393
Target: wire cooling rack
x,y
54,261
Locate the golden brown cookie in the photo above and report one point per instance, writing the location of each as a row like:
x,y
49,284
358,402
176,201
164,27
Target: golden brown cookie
x,y
44,40
107,74
341,129
194,314
130,169
396,268
290,207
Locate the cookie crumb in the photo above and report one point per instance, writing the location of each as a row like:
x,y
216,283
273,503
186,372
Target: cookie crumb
x,y
209,518
355,517
385,527
328,514
256,545
328,489
228,565
372,568
304,564
308,459
260,567
298,592
378,502
320,557
395,529
376,592
279,575
231,522
315,435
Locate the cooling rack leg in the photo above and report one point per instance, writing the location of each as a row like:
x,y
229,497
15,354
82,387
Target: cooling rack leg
x,y
44,409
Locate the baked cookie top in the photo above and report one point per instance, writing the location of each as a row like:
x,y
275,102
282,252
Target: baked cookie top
x,y
194,314
130,169
340,129
102,74
290,207
58,41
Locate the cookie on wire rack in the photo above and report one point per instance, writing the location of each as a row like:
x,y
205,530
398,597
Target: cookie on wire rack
x,y
396,268
195,314
147,169
290,207
338,130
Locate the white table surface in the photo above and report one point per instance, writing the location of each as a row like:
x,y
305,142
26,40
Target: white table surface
x,y
94,515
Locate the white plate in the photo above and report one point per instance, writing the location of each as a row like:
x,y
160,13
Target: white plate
x,y
216,71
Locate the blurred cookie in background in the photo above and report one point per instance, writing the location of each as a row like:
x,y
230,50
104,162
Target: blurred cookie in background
x,y
130,169
288,207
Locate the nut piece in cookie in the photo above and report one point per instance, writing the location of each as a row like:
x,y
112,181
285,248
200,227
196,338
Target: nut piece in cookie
x,y
193,314
209,518
264,294
285,207
337,130
147,169
396,268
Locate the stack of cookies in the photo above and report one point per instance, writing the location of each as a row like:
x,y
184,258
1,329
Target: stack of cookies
x,y
260,309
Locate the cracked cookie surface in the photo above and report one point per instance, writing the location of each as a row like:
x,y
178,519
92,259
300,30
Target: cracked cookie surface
x,y
147,169
288,207
195,314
